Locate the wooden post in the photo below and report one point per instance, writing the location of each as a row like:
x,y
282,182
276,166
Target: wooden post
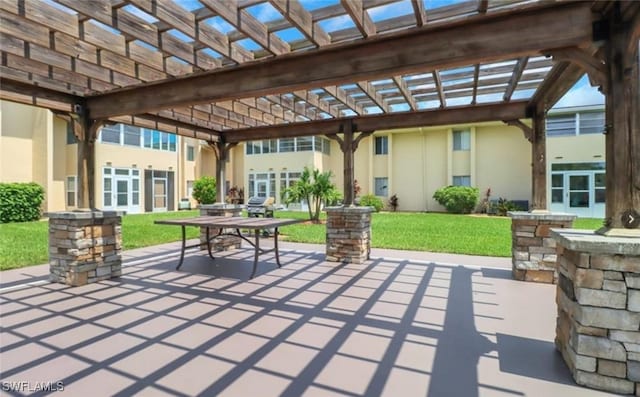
x,y
538,163
221,150
86,132
349,172
349,145
622,124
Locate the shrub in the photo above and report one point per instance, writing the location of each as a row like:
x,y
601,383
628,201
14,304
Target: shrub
x,y
20,202
369,200
457,199
393,202
204,190
502,206
316,188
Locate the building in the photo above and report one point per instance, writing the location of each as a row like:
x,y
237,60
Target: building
x,y
137,169
142,170
414,162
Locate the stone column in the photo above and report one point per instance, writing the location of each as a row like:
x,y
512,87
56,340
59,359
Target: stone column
x,y
532,248
224,243
348,234
85,246
598,297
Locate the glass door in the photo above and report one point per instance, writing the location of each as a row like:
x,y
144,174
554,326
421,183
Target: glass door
x,y
261,188
579,198
122,193
160,194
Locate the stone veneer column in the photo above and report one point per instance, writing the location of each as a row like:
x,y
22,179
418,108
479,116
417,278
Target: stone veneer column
x,y
533,250
223,243
348,234
598,297
84,246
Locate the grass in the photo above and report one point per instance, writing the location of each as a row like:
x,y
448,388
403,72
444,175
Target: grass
x,y
26,244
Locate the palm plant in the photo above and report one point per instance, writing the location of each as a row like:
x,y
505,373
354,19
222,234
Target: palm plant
x,y
316,189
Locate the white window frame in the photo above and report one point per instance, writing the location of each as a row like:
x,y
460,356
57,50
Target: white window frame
x,y
381,186
384,145
465,140
468,179
74,191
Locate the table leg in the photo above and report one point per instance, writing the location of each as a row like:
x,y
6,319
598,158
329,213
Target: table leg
x,y
257,253
209,244
184,244
275,242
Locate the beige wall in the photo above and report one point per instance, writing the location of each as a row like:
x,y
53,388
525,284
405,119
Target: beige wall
x,y
16,141
562,149
28,138
503,162
437,149
408,158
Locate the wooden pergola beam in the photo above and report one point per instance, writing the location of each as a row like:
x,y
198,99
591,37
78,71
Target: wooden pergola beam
x,y
439,88
33,95
376,98
360,17
418,11
479,39
405,91
515,77
558,82
425,118
302,19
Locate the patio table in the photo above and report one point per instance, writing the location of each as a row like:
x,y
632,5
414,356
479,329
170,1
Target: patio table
x,y
234,224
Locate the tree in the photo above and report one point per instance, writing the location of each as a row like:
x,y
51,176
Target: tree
x,y
316,189
204,190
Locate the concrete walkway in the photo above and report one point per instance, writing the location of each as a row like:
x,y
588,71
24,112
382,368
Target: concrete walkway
x,y
403,324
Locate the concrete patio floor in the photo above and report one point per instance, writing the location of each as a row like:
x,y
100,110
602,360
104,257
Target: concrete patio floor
x,y
403,324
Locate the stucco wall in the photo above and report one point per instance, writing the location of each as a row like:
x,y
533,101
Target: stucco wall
x,y
503,162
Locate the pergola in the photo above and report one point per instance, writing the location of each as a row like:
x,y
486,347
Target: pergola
x,y
232,71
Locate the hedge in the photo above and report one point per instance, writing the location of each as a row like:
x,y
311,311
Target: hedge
x,y
457,199
20,202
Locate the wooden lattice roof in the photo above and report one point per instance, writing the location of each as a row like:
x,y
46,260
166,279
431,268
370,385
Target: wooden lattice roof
x,y
219,67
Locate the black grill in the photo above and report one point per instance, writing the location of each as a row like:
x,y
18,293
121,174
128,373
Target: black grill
x,y
260,206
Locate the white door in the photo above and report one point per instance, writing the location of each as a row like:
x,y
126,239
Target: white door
x,y
121,193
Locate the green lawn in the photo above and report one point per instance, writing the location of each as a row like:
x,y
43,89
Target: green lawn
x,y
25,244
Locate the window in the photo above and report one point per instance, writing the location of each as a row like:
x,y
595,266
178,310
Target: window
x,y
461,140
270,146
71,191
71,137
326,146
286,145
562,124
591,122
131,135
381,186
301,144
110,133
147,138
191,153
382,145
599,186
462,180
189,189
304,144
557,188
173,139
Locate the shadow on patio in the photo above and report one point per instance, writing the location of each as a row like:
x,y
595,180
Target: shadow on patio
x,y
389,327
